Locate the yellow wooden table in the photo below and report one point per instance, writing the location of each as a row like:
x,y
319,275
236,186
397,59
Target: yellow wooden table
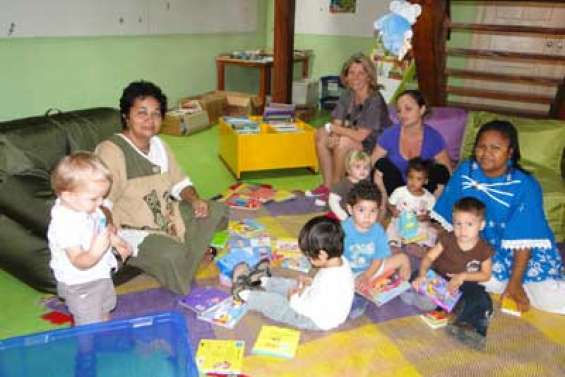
x,y
268,149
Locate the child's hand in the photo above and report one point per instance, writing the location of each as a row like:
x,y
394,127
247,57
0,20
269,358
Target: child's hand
x,y
455,282
304,280
200,208
424,217
100,242
121,246
363,282
418,282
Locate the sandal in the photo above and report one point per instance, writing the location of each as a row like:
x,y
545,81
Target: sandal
x,y
262,269
240,280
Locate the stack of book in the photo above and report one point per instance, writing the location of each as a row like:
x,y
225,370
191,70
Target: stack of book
x,y
435,319
242,125
279,112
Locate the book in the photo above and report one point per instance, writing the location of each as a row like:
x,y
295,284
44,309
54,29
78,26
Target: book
x,y
435,319
237,255
226,313
509,306
283,196
277,341
220,239
247,228
435,287
202,298
220,356
383,288
286,247
242,202
296,263
242,125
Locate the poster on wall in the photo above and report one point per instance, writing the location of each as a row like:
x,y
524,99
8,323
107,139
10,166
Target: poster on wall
x,y
343,6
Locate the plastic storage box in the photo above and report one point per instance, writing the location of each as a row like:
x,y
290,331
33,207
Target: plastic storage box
x,y
152,345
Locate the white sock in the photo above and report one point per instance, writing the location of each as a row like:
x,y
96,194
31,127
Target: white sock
x,y
244,295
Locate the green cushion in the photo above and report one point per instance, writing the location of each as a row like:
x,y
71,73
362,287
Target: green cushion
x,y
542,141
553,198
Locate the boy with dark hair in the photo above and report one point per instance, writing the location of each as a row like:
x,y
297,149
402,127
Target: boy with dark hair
x,y
319,303
465,259
366,244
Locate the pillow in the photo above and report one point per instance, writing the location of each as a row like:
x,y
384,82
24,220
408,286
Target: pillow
x,y
542,141
449,122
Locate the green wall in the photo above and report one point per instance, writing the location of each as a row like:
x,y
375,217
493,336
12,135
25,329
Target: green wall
x,y
73,73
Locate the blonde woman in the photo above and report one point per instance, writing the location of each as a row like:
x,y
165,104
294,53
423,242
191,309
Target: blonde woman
x,y
357,120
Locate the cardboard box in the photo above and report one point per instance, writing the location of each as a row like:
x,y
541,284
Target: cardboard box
x,y
181,122
219,103
305,92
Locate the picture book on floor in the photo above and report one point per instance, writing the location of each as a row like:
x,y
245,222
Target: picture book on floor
x,y
220,356
226,313
435,319
237,255
296,263
285,247
202,298
435,287
383,288
247,228
509,306
220,239
277,341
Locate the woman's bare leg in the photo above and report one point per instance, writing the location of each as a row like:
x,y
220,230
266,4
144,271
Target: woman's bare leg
x,y
324,156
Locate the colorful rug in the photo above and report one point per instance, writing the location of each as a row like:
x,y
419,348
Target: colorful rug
x,y
386,341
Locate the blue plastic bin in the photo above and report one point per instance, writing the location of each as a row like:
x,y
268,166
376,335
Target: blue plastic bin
x,y
151,345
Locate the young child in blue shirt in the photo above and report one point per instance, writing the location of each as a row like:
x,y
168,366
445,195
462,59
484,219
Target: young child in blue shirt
x,y
366,244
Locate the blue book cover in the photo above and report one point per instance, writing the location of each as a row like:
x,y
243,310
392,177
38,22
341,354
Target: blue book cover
x,y
249,255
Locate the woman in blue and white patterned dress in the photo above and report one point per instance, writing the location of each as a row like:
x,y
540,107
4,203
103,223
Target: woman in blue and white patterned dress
x,y
526,266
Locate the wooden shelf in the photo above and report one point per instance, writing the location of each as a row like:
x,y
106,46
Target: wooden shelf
x,y
490,76
496,94
505,55
507,29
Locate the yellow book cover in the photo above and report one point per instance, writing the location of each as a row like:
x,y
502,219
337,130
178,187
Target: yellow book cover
x,y
220,356
277,341
509,306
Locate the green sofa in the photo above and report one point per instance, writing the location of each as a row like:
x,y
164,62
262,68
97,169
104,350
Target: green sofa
x,y
29,149
542,145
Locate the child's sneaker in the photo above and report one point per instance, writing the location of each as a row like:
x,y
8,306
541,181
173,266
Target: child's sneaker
x,y
318,192
261,270
471,337
240,280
